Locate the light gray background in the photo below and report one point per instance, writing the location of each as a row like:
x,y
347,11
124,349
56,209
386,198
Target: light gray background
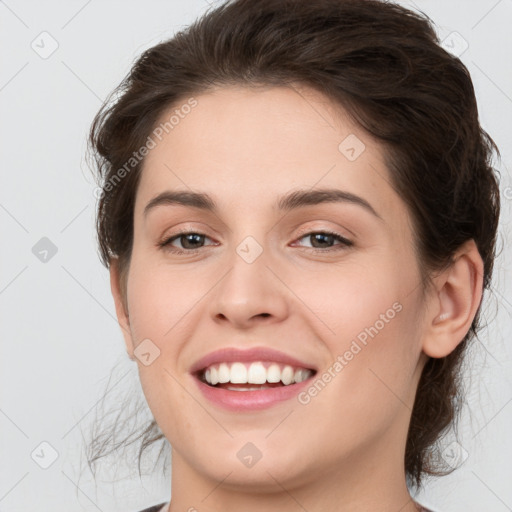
x,y
60,339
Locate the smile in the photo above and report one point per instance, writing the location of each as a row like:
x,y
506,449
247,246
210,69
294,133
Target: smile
x,y
264,374
240,387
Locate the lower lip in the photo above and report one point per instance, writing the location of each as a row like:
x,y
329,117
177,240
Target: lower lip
x,y
250,400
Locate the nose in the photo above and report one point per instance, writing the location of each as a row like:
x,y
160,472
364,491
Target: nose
x,y
248,294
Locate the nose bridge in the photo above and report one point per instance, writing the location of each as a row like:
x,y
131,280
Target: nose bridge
x,y
249,289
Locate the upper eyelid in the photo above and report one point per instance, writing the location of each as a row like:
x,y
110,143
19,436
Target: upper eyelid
x,y
301,232
311,230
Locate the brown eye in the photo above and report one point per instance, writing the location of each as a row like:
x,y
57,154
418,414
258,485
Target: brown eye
x,y
190,242
322,240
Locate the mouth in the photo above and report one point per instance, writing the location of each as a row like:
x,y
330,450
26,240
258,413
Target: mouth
x,y
248,386
253,376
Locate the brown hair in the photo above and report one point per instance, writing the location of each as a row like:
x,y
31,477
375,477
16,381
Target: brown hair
x,y
384,65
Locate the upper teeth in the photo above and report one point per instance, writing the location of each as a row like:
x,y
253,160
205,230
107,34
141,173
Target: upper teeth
x,y
254,373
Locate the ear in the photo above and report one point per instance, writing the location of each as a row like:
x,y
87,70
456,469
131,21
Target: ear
x,y
457,296
121,306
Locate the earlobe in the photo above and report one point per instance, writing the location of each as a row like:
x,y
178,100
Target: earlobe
x,y
121,306
456,301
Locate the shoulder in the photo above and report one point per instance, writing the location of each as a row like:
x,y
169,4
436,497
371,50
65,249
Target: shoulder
x,y
423,508
154,508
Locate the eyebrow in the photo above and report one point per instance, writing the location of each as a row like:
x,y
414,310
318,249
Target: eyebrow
x,y
291,201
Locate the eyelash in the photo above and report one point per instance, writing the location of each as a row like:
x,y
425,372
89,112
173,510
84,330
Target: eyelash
x,y
165,244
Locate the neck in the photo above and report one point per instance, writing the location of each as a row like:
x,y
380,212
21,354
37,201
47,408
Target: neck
x,y
355,487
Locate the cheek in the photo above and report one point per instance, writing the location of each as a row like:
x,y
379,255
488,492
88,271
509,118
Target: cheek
x,y
369,323
159,301
369,384
158,312
162,306
352,299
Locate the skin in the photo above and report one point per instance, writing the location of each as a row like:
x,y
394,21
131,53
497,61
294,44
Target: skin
x,y
344,450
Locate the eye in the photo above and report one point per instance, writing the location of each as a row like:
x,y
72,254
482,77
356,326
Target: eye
x,y
190,241
323,238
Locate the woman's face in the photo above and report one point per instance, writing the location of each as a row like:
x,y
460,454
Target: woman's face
x,y
260,276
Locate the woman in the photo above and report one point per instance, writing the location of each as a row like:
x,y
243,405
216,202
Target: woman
x,y
299,215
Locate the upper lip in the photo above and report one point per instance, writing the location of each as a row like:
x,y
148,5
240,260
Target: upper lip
x,y
232,354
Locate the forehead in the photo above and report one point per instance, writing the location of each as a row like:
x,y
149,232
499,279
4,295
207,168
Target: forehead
x,y
248,146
